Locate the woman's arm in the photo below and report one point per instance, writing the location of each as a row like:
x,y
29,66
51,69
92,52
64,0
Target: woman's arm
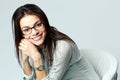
x,y
28,71
26,66
61,61
30,50
40,74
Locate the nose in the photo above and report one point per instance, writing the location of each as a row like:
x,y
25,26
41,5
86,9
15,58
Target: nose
x,y
34,32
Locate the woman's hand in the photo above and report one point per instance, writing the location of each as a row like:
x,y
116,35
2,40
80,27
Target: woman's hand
x,y
29,49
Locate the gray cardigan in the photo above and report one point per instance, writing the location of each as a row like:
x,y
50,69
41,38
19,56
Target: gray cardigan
x,y
68,64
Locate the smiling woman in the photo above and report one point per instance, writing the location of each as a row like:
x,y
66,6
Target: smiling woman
x,y
44,52
35,34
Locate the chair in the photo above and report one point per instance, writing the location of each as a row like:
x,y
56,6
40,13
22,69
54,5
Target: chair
x,y
103,62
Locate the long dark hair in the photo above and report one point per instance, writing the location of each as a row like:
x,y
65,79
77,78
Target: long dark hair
x,y
52,33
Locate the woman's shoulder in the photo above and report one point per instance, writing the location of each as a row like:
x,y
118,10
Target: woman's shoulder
x,y
68,49
65,43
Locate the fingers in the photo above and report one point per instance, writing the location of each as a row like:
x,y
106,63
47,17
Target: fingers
x,y
23,44
28,48
23,47
24,41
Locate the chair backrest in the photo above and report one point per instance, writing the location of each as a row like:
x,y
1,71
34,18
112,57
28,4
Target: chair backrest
x,y
103,62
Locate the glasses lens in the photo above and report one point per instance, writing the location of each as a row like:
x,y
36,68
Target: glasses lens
x,y
38,25
27,31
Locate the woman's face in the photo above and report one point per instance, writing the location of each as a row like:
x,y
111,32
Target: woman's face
x,y
33,29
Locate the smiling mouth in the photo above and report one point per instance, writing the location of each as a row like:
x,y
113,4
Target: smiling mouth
x,y
37,37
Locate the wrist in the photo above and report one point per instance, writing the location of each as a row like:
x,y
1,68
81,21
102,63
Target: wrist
x,y
38,62
36,57
25,61
40,68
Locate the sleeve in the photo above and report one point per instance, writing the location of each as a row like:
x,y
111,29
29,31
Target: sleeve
x,y
31,77
61,61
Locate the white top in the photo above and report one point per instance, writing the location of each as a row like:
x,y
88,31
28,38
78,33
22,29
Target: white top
x,y
68,64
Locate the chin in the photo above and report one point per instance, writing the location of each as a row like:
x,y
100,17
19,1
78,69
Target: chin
x,y
38,43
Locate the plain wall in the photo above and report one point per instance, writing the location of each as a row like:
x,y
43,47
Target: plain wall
x,y
90,23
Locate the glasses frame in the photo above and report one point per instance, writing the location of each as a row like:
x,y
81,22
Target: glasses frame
x,y
36,26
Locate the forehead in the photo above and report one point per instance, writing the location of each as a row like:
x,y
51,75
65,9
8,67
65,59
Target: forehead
x,y
28,20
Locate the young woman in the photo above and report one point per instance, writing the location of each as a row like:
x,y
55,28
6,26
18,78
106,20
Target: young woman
x,y
44,52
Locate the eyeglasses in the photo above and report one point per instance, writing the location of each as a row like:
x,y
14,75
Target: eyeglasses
x,y
36,26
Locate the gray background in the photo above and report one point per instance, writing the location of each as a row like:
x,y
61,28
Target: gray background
x,y
91,24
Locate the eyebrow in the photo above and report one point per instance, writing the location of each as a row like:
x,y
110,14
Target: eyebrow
x,y
32,26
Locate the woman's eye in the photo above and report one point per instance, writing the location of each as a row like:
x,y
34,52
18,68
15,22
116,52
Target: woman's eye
x,y
38,24
26,30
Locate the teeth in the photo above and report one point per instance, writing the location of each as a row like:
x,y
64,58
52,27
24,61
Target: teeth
x,y
36,38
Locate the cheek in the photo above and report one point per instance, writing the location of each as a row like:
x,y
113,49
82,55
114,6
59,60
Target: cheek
x,y
44,30
26,37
